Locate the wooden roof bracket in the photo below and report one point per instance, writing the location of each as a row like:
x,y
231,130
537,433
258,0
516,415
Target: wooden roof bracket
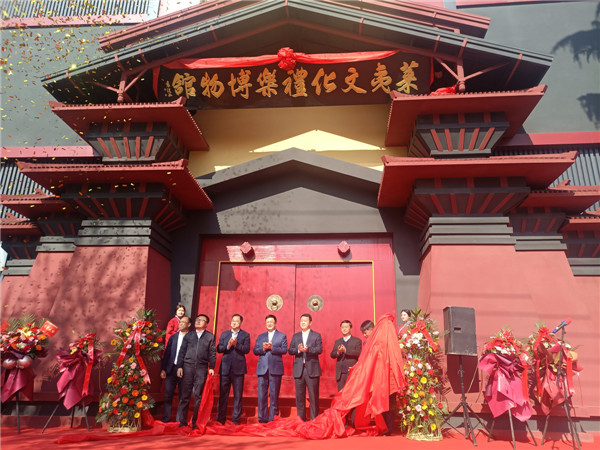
x,y
74,85
514,69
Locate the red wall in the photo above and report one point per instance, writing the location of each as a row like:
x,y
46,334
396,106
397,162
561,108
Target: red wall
x,y
92,288
36,292
516,289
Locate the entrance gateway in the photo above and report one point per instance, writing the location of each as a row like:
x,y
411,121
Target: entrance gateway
x,y
357,285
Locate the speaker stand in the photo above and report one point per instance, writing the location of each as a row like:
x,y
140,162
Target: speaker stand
x,y
466,409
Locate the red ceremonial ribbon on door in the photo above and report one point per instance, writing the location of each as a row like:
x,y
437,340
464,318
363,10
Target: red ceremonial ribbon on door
x,y
135,336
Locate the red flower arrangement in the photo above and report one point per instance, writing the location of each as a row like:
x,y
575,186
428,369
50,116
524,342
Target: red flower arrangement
x,y
505,343
22,340
128,386
545,351
505,359
422,408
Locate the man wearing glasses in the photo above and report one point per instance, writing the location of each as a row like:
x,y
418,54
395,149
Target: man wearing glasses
x,y
198,357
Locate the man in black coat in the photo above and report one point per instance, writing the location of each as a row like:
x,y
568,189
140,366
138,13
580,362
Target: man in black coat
x,y
198,357
306,346
169,366
235,345
346,351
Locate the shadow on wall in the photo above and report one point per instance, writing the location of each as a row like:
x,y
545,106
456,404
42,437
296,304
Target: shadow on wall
x,y
585,43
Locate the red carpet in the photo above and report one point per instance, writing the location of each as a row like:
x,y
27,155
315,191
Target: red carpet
x,y
31,438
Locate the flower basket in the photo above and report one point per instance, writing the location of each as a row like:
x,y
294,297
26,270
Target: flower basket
x,y
22,340
421,406
127,393
416,433
131,425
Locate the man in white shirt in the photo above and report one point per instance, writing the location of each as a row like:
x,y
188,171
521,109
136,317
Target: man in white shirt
x,y
305,347
235,345
169,366
346,351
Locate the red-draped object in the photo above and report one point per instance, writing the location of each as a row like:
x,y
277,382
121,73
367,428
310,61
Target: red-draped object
x,y
549,394
504,390
18,380
378,374
74,383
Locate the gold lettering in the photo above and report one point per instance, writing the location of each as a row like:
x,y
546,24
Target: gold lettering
x,y
351,82
408,76
268,83
381,79
243,82
212,86
298,85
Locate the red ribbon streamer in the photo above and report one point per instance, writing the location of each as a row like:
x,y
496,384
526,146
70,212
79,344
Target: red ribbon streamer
x,y
90,356
135,336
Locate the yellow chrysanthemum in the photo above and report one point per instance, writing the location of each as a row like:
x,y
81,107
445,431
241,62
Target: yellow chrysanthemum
x,y
425,406
423,380
131,359
144,397
155,344
136,415
113,342
415,395
123,421
412,417
109,380
433,426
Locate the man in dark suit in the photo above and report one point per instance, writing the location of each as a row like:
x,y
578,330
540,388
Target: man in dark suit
x,y
346,351
235,345
169,366
306,346
269,347
198,357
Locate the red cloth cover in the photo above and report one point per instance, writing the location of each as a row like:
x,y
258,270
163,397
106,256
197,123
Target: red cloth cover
x,y
18,380
504,390
75,384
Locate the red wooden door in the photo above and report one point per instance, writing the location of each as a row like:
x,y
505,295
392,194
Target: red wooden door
x,y
346,290
244,289
347,293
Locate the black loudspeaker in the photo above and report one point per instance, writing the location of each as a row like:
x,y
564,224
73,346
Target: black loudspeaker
x,y
459,324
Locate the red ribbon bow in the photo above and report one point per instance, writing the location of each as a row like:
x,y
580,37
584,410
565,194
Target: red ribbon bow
x,y
287,58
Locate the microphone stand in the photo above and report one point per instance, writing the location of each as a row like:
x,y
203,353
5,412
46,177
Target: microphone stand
x,y
561,378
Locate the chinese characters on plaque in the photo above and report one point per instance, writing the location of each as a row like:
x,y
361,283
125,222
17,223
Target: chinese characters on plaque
x,y
307,84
